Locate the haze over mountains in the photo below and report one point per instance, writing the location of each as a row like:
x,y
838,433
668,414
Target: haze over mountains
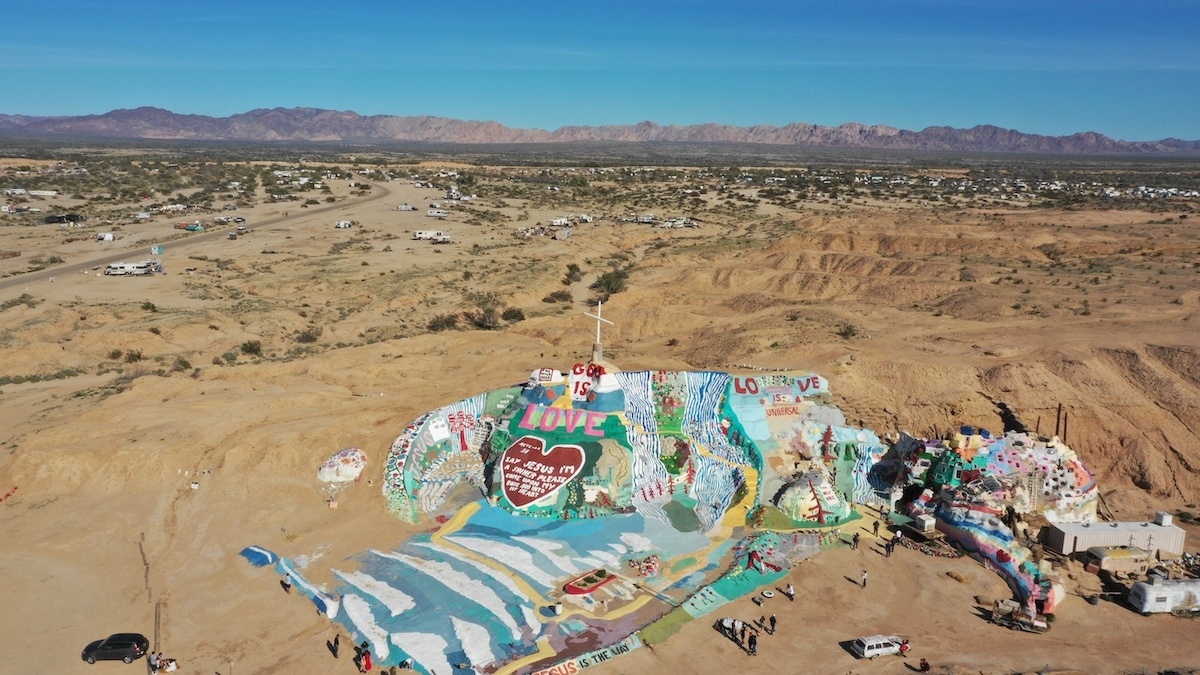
x,y
316,125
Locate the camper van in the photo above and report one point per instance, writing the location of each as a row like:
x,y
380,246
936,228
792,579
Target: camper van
x,y
129,269
1178,596
437,213
427,234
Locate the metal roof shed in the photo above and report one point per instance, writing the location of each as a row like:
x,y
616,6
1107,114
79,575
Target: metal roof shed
x,y
1071,538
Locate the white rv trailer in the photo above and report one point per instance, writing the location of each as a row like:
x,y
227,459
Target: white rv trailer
x,y
1165,595
129,269
437,213
428,234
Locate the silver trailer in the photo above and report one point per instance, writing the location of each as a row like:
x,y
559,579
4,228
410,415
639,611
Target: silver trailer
x,y
1178,596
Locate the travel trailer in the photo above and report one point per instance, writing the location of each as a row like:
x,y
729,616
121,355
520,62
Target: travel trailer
x,y
437,213
1178,596
428,234
129,269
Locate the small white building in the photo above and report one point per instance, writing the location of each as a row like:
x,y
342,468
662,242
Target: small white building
x,y
343,225
1159,536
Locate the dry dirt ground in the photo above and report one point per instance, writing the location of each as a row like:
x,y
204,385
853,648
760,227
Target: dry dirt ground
x,y
922,320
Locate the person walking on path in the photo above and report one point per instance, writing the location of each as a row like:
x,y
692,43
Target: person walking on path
x,y
790,592
855,540
753,645
864,578
337,643
772,620
286,583
875,527
888,548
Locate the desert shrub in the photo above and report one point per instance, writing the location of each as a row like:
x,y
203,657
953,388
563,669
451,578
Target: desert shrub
x,y
513,314
847,331
443,322
611,282
574,273
149,306
559,296
180,364
115,354
133,356
253,347
309,335
156,330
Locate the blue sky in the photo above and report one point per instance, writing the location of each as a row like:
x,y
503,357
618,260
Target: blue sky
x,y
1129,70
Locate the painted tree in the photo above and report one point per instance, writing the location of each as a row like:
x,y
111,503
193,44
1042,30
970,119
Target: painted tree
x,y
828,444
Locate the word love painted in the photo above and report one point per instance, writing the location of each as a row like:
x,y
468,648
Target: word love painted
x,y
529,472
812,384
549,419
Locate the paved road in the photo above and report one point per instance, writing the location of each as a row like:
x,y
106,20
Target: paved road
x,y
131,255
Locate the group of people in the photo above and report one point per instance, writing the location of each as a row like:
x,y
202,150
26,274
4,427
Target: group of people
x,y
745,634
157,663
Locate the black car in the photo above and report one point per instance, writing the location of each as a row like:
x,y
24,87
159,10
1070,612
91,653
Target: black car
x,y
123,646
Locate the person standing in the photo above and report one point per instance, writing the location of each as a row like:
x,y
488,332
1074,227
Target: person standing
x,y
855,540
864,578
875,527
365,666
286,583
772,620
752,645
790,591
337,643
888,547
154,662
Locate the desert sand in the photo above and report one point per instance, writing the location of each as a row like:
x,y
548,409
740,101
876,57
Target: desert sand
x,y
953,312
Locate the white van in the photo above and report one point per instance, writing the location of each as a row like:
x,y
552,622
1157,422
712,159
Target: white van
x,y
871,646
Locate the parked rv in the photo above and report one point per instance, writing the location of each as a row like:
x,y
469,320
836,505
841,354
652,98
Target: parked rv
x,y
1178,596
427,234
129,269
437,213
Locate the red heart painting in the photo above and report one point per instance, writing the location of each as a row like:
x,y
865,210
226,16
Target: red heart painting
x,y
529,473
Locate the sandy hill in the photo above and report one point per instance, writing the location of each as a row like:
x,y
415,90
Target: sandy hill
x,y
920,320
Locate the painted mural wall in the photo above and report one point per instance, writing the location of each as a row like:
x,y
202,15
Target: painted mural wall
x,y
681,447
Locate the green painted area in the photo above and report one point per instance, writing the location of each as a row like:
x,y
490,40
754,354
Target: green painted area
x,y
670,624
683,518
682,564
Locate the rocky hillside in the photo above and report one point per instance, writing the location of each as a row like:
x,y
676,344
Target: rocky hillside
x,y
315,125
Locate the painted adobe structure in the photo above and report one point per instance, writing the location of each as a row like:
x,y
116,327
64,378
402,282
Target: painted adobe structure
x,y
582,514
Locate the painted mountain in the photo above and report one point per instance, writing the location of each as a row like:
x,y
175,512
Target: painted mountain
x,y
315,125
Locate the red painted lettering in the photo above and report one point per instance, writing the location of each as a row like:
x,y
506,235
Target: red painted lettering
x,y
746,386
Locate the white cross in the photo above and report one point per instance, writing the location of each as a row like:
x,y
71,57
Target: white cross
x,y
599,316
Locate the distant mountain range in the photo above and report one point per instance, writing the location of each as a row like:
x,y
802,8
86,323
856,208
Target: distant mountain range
x,y
330,126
